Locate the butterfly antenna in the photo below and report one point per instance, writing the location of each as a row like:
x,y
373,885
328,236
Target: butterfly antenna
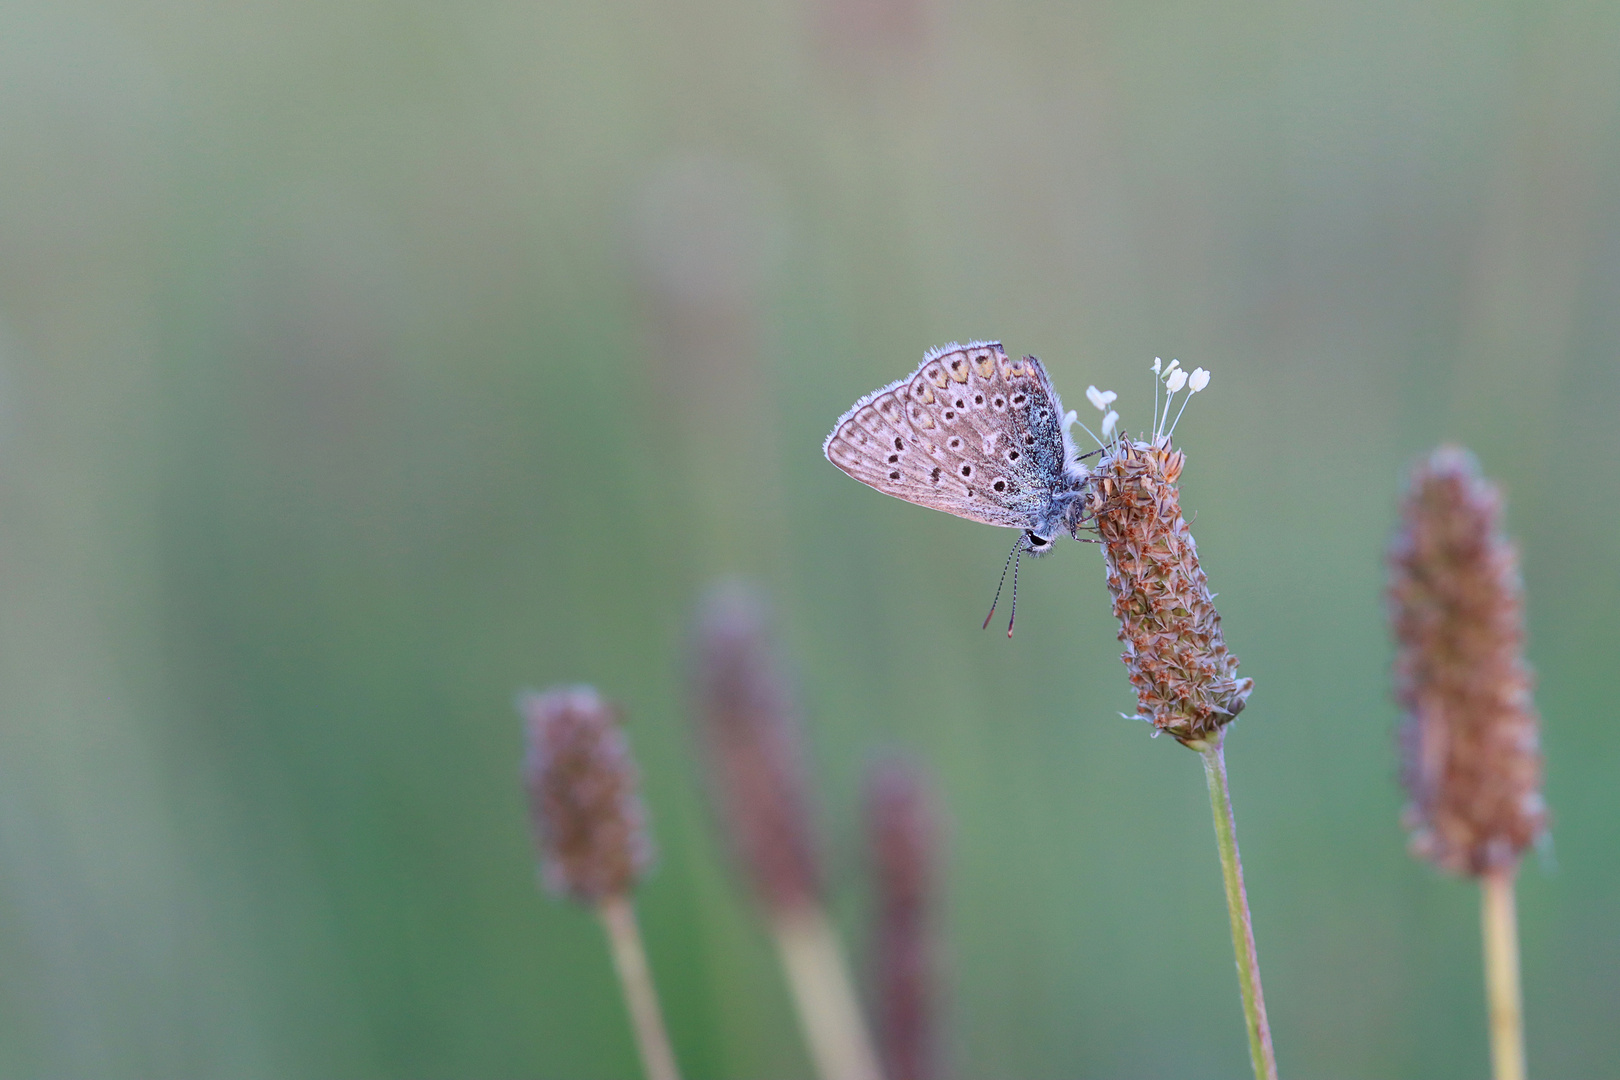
x,y
1019,552
1003,581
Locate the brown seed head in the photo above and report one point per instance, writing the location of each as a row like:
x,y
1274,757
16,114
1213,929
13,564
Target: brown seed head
x,y
750,737
1186,682
1470,739
903,834
583,797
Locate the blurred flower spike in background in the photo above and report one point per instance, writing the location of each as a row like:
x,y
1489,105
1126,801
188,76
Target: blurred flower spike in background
x,y
583,797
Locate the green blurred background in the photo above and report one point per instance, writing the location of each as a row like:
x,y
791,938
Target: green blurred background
x,y
362,362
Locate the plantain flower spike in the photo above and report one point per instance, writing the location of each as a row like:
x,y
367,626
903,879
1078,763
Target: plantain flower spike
x,y
584,800
902,824
1186,680
749,728
1470,739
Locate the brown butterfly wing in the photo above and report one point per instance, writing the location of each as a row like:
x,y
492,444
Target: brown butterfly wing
x,y
971,432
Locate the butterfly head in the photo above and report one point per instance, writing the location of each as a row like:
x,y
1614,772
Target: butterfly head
x,y
1065,514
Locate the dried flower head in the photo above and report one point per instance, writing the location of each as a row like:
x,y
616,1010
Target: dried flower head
x,y
1186,681
750,737
583,797
1470,739
903,835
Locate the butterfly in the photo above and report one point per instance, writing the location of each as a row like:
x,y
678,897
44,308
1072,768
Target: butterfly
x,y
973,433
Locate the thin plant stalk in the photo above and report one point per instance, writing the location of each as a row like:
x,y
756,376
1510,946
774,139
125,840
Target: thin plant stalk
x,y
1499,921
635,977
1237,904
823,994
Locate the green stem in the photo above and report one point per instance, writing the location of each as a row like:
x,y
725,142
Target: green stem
x,y
1237,905
1502,975
635,977
824,995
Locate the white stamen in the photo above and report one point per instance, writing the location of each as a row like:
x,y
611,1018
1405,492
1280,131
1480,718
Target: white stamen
x,y
1198,380
1156,366
1108,424
1174,379
1100,398
1072,419
1093,434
